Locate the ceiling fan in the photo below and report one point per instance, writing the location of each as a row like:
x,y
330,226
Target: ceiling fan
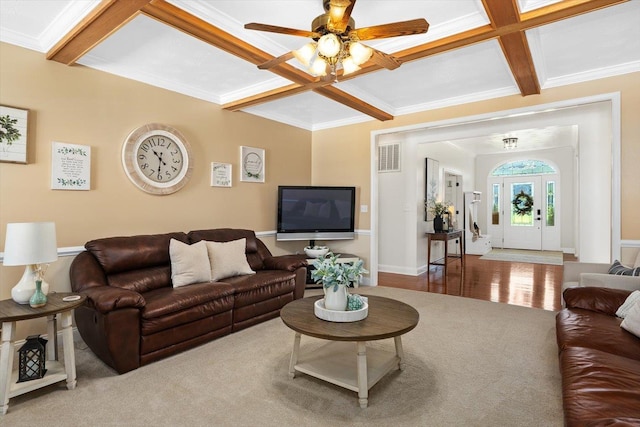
x,y
336,41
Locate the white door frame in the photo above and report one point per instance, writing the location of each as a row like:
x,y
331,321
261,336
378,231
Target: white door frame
x,y
613,98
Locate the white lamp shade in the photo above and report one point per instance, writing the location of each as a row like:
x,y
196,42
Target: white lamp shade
x,y
360,53
349,66
30,243
305,53
329,45
319,67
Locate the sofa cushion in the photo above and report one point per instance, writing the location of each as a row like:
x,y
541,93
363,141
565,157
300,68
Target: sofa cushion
x,y
622,270
254,256
189,263
161,302
227,259
584,328
118,254
628,304
263,285
598,385
143,280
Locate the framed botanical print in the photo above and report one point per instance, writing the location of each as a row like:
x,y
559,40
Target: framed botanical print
x,y
13,134
252,164
220,174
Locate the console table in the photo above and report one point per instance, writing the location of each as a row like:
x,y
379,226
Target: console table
x,y
12,312
445,237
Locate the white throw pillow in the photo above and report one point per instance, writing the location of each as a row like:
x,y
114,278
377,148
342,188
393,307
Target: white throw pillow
x,y
637,263
631,300
228,259
632,322
189,263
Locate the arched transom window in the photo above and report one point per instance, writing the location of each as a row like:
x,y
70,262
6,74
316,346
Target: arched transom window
x,y
524,167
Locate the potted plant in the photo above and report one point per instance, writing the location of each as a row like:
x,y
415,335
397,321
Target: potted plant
x,y
336,277
437,209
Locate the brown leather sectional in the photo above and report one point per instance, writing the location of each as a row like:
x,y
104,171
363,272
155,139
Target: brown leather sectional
x,y
133,316
599,361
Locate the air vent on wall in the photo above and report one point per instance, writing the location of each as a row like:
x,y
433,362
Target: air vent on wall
x,y
389,158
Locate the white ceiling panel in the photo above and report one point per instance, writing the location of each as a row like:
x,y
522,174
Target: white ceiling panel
x,y
454,77
149,51
590,46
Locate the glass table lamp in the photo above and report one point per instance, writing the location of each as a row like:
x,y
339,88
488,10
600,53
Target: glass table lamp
x,y
30,244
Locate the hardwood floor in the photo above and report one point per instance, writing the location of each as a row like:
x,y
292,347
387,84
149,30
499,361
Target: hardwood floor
x,y
527,285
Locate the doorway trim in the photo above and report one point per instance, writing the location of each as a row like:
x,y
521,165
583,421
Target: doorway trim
x,y
614,98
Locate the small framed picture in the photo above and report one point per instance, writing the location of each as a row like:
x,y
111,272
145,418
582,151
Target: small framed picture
x,y
220,174
70,166
252,163
13,134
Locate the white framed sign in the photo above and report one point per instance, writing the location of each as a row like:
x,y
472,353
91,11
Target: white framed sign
x,y
220,174
252,164
70,166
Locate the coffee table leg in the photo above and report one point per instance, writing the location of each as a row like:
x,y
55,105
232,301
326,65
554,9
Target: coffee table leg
x,y
6,364
294,355
399,352
363,389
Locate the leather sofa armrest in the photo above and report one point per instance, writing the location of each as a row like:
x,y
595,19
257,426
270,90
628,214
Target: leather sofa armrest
x,y
284,262
106,298
601,300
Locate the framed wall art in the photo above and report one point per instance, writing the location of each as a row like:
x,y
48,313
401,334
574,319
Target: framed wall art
x,y
431,185
70,166
13,134
252,164
220,174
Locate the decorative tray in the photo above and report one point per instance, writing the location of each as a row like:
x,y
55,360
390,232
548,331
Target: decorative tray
x,y
340,316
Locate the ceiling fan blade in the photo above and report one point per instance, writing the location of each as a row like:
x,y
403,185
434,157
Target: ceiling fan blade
x,y
275,61
339,14
281,30
404,28
385,60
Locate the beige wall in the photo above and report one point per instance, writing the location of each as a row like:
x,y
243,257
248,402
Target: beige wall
x,y
83,106
352,166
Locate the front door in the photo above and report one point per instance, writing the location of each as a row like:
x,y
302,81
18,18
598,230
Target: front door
x,y
523,205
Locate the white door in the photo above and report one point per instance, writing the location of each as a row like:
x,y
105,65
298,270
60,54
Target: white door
x,y
523,204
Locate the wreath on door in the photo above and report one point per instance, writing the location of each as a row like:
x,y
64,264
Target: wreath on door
x,y
522,204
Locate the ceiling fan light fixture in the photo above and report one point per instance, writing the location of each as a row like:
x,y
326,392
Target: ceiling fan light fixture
x,y
319,67
329,45
305,54
510,143
349,66
337,8
360,53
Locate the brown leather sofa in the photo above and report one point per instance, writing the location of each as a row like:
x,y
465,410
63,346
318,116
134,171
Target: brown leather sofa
x,y
133,315
599,361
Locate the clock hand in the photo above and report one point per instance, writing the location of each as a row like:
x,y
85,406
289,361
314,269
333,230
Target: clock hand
x,y
159,156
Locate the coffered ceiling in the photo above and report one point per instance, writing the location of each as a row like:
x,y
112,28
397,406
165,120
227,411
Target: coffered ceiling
x,y
474,50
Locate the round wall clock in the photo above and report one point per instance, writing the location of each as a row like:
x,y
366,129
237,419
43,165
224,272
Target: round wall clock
x,y
157,159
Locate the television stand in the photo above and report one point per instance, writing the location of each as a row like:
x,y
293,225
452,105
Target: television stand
x,y
344,258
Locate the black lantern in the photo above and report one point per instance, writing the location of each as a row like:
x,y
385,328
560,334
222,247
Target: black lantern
x,y
32,357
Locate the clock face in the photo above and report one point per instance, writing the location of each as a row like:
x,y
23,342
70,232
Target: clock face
x,y
160,158
157,159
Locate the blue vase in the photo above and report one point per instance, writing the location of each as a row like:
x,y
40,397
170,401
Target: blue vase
x,y
38,299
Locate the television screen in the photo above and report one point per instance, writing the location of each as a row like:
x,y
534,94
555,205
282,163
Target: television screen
x,y
309,213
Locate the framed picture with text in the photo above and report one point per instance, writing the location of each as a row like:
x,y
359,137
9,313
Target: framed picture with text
x,y
252,164
13,134
220,174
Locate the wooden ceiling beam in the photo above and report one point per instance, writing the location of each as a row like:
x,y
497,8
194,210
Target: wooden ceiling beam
x,y
104,20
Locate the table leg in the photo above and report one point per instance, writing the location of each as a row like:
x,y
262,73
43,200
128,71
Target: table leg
x,y
363,386
462,249
6,363
69,353
428,256
294,355
52,334
446,259
399,352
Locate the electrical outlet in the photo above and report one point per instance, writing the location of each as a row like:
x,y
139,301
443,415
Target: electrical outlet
x,y
364,208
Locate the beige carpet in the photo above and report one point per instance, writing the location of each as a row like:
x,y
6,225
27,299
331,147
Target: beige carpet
x,y
521,255
468,363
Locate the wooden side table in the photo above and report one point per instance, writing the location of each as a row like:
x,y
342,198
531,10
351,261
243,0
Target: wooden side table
x,y
12,312
445,237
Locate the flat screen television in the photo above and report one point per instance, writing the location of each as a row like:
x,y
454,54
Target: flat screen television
x,y
316,213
